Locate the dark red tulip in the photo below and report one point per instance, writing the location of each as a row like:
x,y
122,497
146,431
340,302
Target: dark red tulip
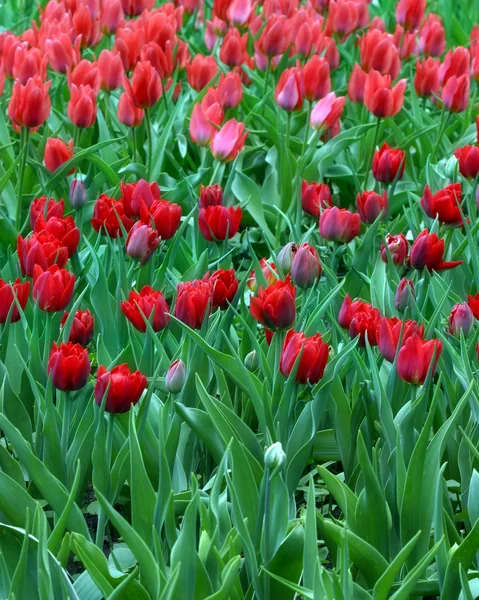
x,y
211,195
390,331
233,51
461,318
225,286
306,267
107,215
380,97
166,216
473,303
274,38
388,164
69,366
131,193
63,229
365,324
314,356
82,329
349,309
274,306
52,288
398,247
56,153
427,252
141,242
339,225
8,291
468,158
315,197
370,205
193,302
42,205
145,88
124,387
404,294
379,52
444,204
146,301
415,358
218,222
42,249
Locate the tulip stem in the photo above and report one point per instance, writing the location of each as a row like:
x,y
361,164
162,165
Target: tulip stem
x,y
100,530
66,405
306,129
133,134
268,68
150,141
442,127
288,127
24,141
373,148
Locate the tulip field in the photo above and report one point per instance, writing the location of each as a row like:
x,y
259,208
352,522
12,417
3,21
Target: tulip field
x,y
239,300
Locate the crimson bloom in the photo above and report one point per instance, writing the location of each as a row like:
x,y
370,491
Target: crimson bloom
x,y
415,358
233,50
365,324
141,242
83,324
82,107
52,288
349,310
427,252
316,78
56,153
40,248
456,64
388,163
229,141
8,291
455,93
426,80
43,205
290,89
200,71
124,388
444,204
69,366
30,103
145,88
380,98
370,205
473,303
166,216
339,225
146,301
468,158
63,229
225,286
314,356
378,52
193,302
128,113
315,197
405,291
391,331
133,193
398,247
219,222
274,306
306,267
211,195
107,215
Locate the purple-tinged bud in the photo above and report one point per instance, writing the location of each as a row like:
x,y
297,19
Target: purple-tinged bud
x,y
78,197
251,361
141,242
306,267
286,255
404,295
176,377
461,317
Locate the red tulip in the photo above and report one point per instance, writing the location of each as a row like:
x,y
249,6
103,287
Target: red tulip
x,y
426,81
269,271
428,252
85,73
63,229
28,63
8,291
239,12
365,324
390,331
141,242
415,359
356,84
193,302
461,318
468,158
229,141
69,366
145,88
327,111
202,130
274,38
289,90
62,54
233,50
378,52
121,386
29,104
314,356
56,153
303,39
128,113
146,301
444,204
111,15
456,64
432,36
388,163
274,306
133,193
230,90
225,286
380,98
110,69
343,17
166,216
410,13
10,44
317,81
200,71
306,267
81,331
455,93
211,195
86,25
82,107
52,288
405,291
218,223
475,63
107,215
42,249
42,205
406,42
315,197
473,303
370,205
339,225
398,247
350,309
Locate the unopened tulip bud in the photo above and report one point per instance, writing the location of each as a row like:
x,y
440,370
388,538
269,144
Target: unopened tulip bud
x,y
286,255
451,168
404,294
461,317
176,377
251,361
78,197
306,268
275,456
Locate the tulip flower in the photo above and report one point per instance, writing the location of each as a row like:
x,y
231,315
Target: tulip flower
x,y
28,63
133,193
41,248
10,44
468,158
225,285
415,359
219,223
146,301
111,71
444,204
230,90
47,207
107,215
175,377
121,386
239,12
473,303
327,111
145,88
269,271
315,197
427,252
388,164
343,17
391,331
69,366
82,107
350,309
166,216
211,195
111,15
356,84
141,242
8,293
233,51
52,288
62,54
56,153
455,93
339,225
63,229
306,267
274,306
406,42
86,25
380,98
405,291
365,324
398,247
314,356
456,64
426,80
202,129
194,302
461,318
290,89
78,196
229,141
200,71
410,13
378,52
286,255
128,113
81,331
30,104
370,205
85,73
432,36
274,38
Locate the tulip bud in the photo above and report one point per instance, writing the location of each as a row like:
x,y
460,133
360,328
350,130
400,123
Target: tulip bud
x,y
176,377
451,168
461,317
286,255
274,456
251,361
404,294
306,267
78,197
